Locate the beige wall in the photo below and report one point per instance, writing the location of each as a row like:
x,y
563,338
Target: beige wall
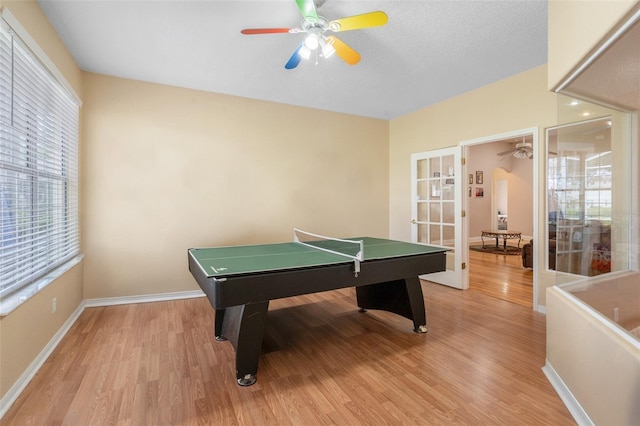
x,y
515,103
575,28
27,330
168,169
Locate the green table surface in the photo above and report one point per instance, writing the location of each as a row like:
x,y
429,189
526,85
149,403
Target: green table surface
x,y
218,262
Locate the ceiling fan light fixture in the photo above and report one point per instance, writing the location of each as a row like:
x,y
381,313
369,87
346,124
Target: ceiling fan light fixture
x,y
521,154
312,41
304,52
327,48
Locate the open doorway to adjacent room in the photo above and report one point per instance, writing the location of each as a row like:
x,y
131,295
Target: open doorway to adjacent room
x,y
501,215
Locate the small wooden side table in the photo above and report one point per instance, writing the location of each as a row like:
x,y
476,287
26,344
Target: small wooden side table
x,y
502,234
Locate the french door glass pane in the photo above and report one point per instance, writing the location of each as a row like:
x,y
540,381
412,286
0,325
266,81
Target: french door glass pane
x,y
422,212
436,170
435,212
423,190
422,233
434,235
448,213
448,234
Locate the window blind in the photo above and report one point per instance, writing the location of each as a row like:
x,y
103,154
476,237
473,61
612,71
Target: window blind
x,y
39,228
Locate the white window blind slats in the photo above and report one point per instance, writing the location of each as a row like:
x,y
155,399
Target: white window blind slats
x,y
38,168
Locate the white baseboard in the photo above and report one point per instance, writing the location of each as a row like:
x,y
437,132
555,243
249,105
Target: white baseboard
x,y
10,397
126,300
574,407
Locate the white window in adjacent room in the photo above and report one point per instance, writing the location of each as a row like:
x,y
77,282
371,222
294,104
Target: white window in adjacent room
x,y
39,229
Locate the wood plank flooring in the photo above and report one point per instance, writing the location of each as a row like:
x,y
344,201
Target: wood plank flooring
x,y
501,276
323,363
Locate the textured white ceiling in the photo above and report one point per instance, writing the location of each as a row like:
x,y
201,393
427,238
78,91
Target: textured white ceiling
x,y
428,51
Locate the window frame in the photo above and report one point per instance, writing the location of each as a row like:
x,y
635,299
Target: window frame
x,y
39,170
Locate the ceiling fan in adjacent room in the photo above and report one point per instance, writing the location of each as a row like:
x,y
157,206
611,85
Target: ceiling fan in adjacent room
x,y
521,150
316,42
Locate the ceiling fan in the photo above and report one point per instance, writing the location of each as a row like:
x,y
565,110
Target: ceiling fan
x,y
315,26
522,150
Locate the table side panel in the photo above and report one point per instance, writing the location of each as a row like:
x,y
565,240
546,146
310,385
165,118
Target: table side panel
x,y
240,290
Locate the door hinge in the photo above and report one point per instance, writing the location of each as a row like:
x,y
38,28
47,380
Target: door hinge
x,y
463,213
464,266
463,161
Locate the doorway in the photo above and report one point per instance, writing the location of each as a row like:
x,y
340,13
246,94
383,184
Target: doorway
x,y
507,161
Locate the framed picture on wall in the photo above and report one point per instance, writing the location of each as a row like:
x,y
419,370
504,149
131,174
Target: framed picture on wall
x,y
479,191
479,177
470,178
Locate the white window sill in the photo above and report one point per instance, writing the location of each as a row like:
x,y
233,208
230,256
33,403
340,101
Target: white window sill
x,y
11,302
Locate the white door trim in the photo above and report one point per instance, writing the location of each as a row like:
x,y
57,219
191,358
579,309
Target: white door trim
x,y
534,131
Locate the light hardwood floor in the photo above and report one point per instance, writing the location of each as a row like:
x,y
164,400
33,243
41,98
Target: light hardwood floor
x,y
501,276
323,363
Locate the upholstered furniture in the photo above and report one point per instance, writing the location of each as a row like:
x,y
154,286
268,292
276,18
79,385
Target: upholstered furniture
x,y
527,255
527,252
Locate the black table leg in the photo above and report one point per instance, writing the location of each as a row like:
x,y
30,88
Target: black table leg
x,y
402,297
244,326
219,318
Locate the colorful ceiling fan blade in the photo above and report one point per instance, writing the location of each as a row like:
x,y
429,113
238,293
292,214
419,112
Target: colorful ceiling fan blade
x,y
265,30
295,59
308,10
345,52
366,20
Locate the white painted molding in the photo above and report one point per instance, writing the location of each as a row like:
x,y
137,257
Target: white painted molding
x,y
10,397
125,300
574,407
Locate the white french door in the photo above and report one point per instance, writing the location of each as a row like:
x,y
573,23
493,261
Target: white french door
x,y
436,210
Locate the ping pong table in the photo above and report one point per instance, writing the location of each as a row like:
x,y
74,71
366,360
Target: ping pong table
x,y
239,282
